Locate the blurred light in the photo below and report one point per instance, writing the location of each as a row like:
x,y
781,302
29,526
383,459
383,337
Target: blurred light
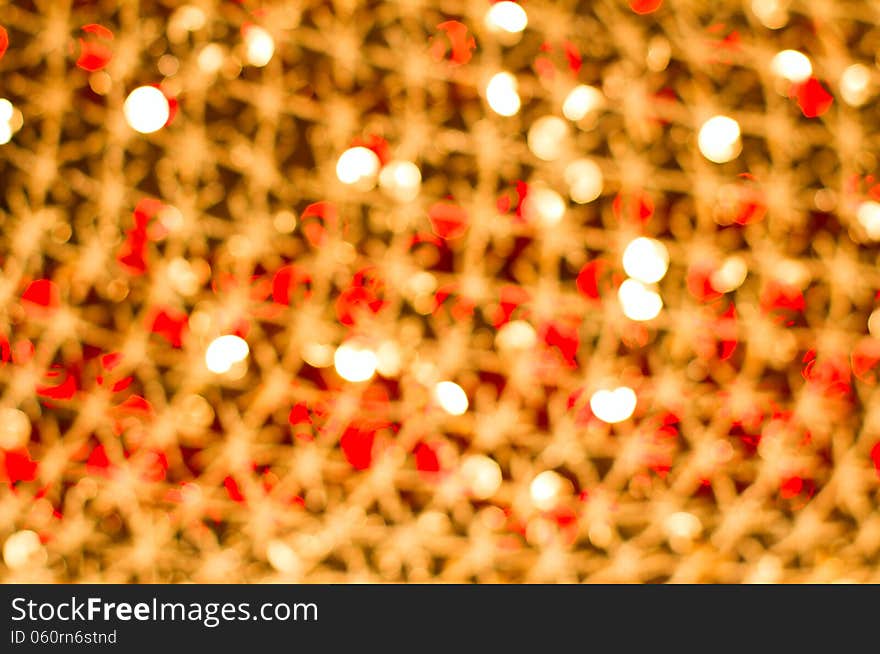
x,y
401,180
317,355
357,165
506,16
355,363
146,109
683,525
584,179
719,139
581,100
451,398
388,359
730,275
284,221
613,406
15,429
547,137
545,205
224,352
638,301
545,489
210,58
516,335
481,475
282,557
772,13
259,45
792,65
855,84
646,260
501,94
874,323
868,215
22,548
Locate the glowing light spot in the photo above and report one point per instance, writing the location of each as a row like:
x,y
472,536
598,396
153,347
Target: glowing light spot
x,y
506,17
22,548
388,359
358,165
355,363
224,352
146,109
545,489
401,180
10,120
259,45
584,179
874,323
582,100
639,302
613,406
730,275
547,136
516,335
868,215
792,65
855,85
6,109
646,260
15,429
545,205
719,139
210,58
501,94
282,557
772,13
451,398
683,525
481,475
317,355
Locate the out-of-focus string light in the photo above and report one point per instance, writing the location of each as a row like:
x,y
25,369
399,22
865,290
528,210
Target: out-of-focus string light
x,y
224,352
259,45
868,215
6,110
792,65
582,100
501,94
481,475
516,335
719,139
545,489
730,275
358,166
401,180
507,17
15,429
646,259
639,302
855,83
584,179
613,405
547,137
451,398
23,548
772,13
354,362
146,109
544,205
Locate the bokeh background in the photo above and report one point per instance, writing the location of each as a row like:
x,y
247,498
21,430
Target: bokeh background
x,y
436,290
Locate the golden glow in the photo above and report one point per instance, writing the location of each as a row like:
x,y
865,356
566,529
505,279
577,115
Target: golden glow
x,y
730,275
224,352
15,429
501,94
451,398
772,13
639,302
481,475
146,109
584,179
259,45
355,363
516,335
792,65
582,100
545,205
401,180
357,165
22,548
719,139
545,489
282,557
547,137
613,406
646,260
868,215
506,17
855,85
